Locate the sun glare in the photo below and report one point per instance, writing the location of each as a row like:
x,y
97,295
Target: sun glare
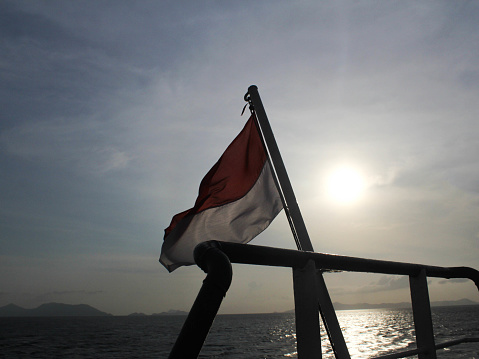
x,y
345,185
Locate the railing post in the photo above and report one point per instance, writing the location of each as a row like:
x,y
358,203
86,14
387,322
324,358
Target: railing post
x,y
210,258
421,308
308,336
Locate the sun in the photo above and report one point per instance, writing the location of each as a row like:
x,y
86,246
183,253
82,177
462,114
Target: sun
x,y
345,185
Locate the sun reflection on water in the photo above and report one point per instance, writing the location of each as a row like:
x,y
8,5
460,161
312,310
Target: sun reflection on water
x,y
373,331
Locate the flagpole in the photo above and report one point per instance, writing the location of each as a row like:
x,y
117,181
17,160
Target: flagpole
x,y
304,284
285,188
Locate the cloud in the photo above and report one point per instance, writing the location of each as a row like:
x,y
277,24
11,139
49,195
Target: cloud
x,y
454,280
82,143
113,111
383,284
254,286
386,283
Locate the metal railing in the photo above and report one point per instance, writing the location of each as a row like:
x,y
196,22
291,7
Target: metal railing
x,y
224,253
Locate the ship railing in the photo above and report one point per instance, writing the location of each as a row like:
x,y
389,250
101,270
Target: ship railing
x,y
215,259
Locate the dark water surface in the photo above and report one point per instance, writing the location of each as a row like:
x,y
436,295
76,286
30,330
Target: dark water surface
x,y
368,333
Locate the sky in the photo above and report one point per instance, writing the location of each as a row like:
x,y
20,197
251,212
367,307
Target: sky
x,y
112,111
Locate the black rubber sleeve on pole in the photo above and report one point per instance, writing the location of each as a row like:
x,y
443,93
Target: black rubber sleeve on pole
x,y
211,259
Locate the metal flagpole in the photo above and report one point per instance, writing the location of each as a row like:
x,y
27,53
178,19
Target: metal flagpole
x,y
306,310
286,190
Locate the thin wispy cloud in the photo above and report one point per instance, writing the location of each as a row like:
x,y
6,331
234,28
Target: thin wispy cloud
x,y
85,144
383,284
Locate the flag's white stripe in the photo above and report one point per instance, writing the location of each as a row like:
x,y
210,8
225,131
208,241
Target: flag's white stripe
x,y
239,221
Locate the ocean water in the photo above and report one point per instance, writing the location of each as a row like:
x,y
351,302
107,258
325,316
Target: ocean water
x,y
368,333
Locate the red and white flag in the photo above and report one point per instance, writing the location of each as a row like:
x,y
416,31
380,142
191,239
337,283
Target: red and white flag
x,y
237,200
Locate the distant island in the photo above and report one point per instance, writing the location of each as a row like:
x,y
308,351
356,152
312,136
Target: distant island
x,y
52,310
401,305
444,303
172,312
85,310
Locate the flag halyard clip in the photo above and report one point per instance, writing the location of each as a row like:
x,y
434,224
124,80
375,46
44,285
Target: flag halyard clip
x,y
247,98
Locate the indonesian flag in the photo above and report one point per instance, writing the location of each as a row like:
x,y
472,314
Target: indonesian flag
x,y
237,200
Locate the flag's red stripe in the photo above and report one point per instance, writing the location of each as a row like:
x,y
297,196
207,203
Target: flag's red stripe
x,y
232,176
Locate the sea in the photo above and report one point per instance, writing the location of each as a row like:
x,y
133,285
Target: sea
x,y
368,333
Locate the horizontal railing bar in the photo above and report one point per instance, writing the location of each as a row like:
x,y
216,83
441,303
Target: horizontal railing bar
x,y
412,352
405,354
280,257
456,342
